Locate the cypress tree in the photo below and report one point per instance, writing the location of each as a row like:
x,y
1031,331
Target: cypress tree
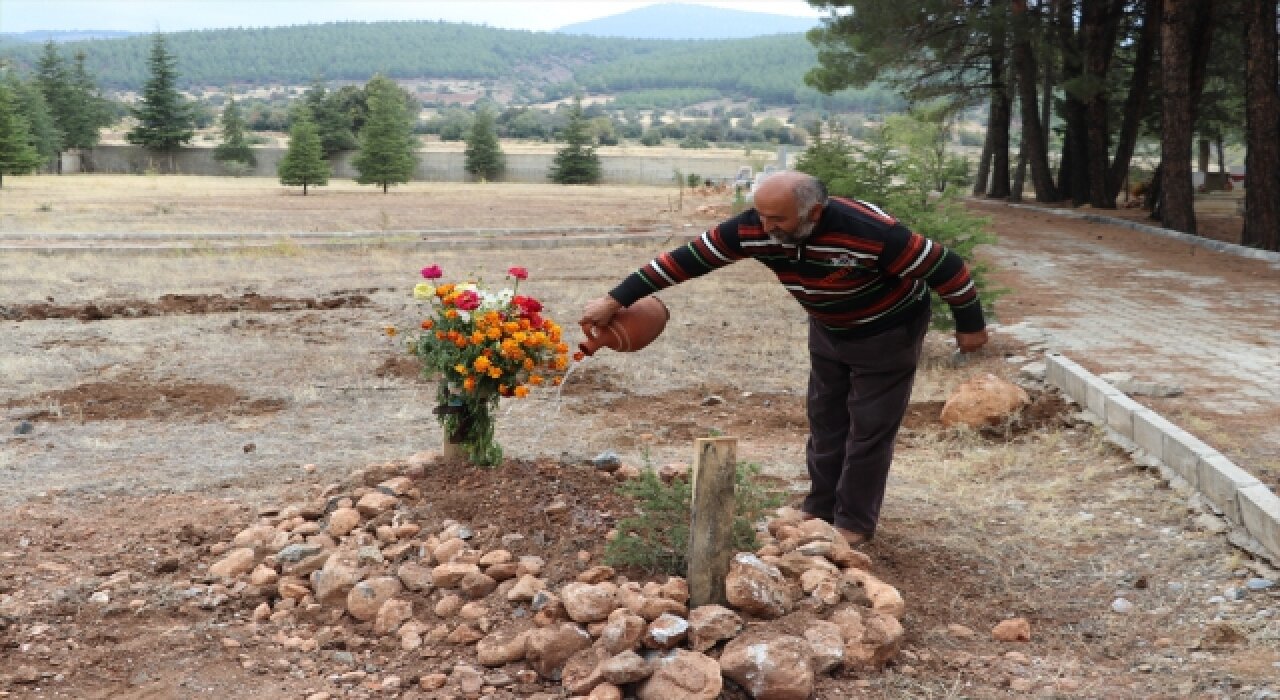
x,y
484,156
332,120
165,121
387,141
304,163
54,83
235,146
17,155
576,163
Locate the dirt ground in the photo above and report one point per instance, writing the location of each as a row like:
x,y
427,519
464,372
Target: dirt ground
x,y
155,405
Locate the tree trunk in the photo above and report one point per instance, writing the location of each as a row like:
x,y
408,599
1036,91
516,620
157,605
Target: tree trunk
x,y
1073,168
304,188
1099,24
1177,209
1001,108
384,187
984,161
1135,101
1262,131
1033,139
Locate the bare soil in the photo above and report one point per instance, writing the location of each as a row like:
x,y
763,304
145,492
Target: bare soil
x,y
140,437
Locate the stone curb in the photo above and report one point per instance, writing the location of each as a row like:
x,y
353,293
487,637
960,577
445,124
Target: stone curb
x,y
198,247
1219,246
1247,503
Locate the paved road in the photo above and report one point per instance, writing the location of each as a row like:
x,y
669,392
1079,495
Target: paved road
x,y
1115,299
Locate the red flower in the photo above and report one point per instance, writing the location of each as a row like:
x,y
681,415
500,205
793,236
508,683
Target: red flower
x,y
528,305
467,301
519,273
432,272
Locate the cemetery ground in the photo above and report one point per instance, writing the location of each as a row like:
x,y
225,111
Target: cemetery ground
x,y
157,404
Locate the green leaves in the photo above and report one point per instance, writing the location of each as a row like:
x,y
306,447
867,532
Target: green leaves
x,y
387,142
164,119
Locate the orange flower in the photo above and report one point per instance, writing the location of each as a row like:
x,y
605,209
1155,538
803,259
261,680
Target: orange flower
x,y
427,324
495,372
521,392
469,384
561,363
443,290
528,363
556,381
451,313
461,343
535,379
390,331
477,337
577,356
482,364
494,333
441,335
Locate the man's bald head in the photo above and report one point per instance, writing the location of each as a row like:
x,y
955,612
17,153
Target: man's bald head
x,y
790,203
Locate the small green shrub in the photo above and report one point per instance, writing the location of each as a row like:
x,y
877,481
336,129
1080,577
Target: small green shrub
x,y
656,538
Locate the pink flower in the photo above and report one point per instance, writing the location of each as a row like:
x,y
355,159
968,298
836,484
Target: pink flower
x,y
432,272
519,273
528,305
467,301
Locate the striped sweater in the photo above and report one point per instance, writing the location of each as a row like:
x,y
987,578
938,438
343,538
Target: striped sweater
x,y
859,273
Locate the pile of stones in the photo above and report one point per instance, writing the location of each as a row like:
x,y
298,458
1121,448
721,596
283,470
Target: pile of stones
x,y
804,604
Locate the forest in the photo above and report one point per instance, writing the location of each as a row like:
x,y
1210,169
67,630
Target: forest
x,y
543,65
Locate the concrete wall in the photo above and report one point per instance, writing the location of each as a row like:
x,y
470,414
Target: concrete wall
x,y
437,166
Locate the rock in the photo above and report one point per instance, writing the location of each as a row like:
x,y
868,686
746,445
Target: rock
x,y
884,598
525,589
530,565
476,585
653,607
260,537
826,644
607,461
468,679
1259,584
432,681
769,667
450,575
627,472
448,605
625,667
1121,606
375,503
960,631
415,577
24,428
391,615
675,470
682,675
366,598
983,401
464,634
503,646
263,576
605,691
666,632
332,582
550,647
581,673
342,521
446,551
871,639
676,588
396,486
589,603
596,574
1017,629
237,561
502,572
623,632
709,624
473,611
757,588
497,556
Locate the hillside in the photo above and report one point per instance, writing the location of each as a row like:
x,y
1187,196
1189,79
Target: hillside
x,y
538,65
680,21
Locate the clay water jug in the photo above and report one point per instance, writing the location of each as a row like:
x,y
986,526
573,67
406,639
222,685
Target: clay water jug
x,y
631,329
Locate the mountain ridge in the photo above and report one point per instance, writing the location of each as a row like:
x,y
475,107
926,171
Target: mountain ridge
x,y
675,21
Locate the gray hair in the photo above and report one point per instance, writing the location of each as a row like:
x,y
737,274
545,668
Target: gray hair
x,y
809,191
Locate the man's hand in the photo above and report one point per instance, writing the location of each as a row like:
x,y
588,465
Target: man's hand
x,y
599,312
969,342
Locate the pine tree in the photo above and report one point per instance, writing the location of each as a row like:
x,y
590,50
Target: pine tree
x,y
30,103
332,120
17,155
576,163
234,147
164,118
304,163
387,142
88,110
484,156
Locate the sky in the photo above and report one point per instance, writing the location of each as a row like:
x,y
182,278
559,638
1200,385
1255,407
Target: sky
x,y
178,15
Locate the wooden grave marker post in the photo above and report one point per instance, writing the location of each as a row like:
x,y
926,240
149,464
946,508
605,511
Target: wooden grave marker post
x,y
711,528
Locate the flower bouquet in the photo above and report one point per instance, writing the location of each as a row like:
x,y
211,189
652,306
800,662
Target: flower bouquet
x,y
482,345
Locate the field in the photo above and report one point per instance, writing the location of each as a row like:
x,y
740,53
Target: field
x,y
158,402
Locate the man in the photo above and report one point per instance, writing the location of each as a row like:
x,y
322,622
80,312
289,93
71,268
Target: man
x,y
864,279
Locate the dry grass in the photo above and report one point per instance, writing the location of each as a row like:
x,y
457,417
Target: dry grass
x,y
194,204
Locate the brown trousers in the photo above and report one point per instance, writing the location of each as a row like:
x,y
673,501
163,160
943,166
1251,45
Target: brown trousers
x,y
858,394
